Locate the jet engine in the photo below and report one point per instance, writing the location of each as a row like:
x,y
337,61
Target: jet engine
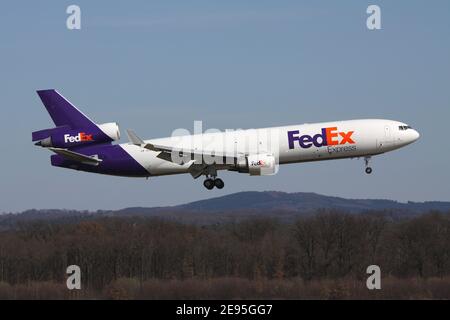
x,y
111,129
257,165
65,137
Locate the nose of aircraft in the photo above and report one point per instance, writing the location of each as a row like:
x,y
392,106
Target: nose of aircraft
x,y
408,136
414,135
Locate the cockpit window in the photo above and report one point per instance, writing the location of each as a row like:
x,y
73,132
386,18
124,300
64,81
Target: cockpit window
x,y
404,128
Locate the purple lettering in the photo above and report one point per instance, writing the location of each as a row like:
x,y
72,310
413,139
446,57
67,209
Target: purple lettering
x,y
292,138
322,137
306,141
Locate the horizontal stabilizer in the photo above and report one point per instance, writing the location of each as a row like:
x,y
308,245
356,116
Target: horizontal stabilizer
x,y
42,134
75,156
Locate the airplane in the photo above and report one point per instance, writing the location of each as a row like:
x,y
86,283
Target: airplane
x,y
81,144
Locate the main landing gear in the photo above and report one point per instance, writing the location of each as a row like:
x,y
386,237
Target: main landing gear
x,y
210,183
211,180
368,169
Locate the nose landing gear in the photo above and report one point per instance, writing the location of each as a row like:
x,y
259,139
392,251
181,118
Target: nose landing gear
x,y
368,168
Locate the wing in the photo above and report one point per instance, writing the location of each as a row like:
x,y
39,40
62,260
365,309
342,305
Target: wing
x,y
75,156
166,151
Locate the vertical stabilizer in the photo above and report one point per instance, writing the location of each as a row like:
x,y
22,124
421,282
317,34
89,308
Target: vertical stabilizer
x,y
62,112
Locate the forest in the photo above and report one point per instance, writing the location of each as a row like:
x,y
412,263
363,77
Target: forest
x,y
320,256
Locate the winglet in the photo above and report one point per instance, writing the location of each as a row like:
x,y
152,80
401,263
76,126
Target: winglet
x,y
134,139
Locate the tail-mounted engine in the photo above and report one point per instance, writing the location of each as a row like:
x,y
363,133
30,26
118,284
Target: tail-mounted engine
x,y
65,137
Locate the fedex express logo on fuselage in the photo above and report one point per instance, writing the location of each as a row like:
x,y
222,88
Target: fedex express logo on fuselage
x,y
258,163
328,137
78,138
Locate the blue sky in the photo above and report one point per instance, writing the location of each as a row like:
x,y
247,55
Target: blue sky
x,y
159,65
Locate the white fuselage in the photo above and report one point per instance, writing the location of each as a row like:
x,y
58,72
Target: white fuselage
x,y
289,144
81,144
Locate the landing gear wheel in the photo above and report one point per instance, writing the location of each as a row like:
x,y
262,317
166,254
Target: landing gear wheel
x,y
366,161
219,183
209,184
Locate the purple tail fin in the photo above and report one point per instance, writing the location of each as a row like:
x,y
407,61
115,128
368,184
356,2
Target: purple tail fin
x,y
63,113
73,128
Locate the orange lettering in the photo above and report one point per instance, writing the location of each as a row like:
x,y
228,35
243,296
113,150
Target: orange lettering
x,y
346,137
330,136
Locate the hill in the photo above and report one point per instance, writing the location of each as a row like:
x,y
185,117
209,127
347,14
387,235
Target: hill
x,y
237,206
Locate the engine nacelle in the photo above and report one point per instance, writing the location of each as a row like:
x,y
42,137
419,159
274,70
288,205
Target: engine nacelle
x,y
65,137
258,165
111,129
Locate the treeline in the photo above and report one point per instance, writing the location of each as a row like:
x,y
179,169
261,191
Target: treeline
x,y
329,246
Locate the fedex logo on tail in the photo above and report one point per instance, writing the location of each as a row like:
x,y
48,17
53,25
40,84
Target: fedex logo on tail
x,y
78,138
328,137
